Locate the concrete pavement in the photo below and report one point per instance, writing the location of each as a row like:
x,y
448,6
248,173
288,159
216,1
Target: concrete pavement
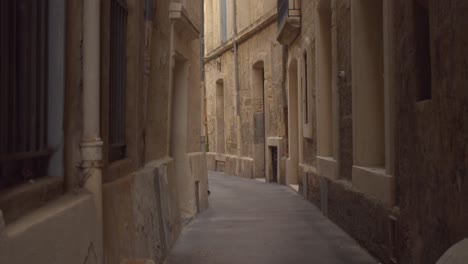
x,y
250,222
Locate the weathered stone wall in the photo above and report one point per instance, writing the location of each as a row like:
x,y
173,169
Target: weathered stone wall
x,y
149,195
239,129
157,124
430,140
250,11
341,18
248,14
66,225
142,214
432,148
222,70
42,214
430,135
306,43
262,47
363,217
142,195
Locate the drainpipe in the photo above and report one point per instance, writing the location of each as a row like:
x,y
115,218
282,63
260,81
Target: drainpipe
x,y
147,75
203,139
236,58
236,74
91,143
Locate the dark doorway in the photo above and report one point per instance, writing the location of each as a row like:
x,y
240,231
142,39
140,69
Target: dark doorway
x,y
274,164
197,196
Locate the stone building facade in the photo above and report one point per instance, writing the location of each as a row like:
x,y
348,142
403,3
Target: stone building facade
x,y
243,71
364,106
103,98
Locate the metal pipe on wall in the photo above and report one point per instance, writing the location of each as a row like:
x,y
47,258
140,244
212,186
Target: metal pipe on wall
x,y
91,143
203,136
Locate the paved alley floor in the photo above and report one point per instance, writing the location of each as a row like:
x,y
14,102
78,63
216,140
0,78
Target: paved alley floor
x,y
250,222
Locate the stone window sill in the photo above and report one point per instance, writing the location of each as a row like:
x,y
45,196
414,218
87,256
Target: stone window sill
x,y
374,181
327,167
18,201
119,169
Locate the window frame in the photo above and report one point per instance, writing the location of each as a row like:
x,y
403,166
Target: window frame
x,y
24,151
117,114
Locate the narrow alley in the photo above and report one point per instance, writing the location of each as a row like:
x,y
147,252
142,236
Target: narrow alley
x,y
253,222
233,131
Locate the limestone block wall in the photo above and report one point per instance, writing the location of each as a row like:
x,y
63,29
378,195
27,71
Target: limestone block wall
x,y
421,158
305,44
326,160
244,13
146,199
222,69
142,214
431,146
32,238
149,195
250,11
259,56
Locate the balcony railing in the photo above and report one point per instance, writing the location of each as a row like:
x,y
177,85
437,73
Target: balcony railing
x,y
287,9
289,20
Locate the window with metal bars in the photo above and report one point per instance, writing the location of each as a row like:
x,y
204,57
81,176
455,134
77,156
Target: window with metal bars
x,y
286,9
23,91
118,79
423,50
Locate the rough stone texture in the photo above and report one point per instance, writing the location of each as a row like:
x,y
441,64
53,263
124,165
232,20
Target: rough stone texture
x,y
142,204
313,187
146,201
432,148
143,218
341,18
261,47
211,161
278,226
21,200
364,218
248,12
306,43
30,239
199,172
239,129
142,195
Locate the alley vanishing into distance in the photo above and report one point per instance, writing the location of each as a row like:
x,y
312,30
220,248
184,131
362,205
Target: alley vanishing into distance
x,y
253,222
326,131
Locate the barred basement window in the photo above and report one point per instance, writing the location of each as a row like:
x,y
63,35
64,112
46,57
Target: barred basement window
x,y
118,79
23,91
